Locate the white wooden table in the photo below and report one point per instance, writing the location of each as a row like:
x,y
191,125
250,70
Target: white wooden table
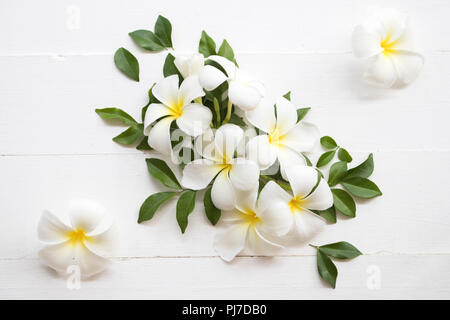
x,y
56,67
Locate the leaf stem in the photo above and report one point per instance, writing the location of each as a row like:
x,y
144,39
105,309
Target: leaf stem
x,y
228,116
315,247
281,183
217,109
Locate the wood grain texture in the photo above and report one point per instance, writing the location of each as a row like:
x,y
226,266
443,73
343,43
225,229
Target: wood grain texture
x,y
56,70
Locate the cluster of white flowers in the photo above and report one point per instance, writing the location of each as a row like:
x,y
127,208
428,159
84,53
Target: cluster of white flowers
x,y
257,221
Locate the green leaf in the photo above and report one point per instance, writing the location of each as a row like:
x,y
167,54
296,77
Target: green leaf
x,y
301,113
207,46
161,171
328,142
127,63
308,162
211,211
288,96
364,170
337,171
343,155
235,119
147,40
115,113
163,30
226,51
185,205
328,214
325,158
131,135
344,202
361,187
340,250
326,268
143,145
152,203
170,68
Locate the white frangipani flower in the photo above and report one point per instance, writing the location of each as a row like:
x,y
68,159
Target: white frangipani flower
x,y
385,39
176,105
249,224
189,65
284,138
232,175
302,179
243,91
85,243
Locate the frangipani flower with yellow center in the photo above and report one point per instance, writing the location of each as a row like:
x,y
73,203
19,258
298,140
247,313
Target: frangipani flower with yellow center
x,y
232,175
243,90
251,225
309,192
385,39
176,105
85,243
284,138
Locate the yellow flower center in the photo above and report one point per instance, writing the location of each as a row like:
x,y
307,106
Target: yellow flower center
x,y
251,217
388,45
177,108
275,136
296,204
77,236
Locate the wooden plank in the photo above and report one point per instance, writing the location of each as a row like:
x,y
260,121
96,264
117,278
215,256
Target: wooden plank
x,y
366,277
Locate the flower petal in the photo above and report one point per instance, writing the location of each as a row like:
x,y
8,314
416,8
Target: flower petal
x,y
286,115
321,198
244,96
259,245
211,77
408,65
229,67
263,117
195,119
302,179
104,243
288,157
227,139
222,192
190,89
307,225
154,112
260,151
270,194
230,242
159,136
244,174
51,229
276,219
205,147
302,138
246,200
166,90
199,173
60,256
189,65
365,43
381,71
85,214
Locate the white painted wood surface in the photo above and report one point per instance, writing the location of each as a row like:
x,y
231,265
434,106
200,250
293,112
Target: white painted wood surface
x,y
53,147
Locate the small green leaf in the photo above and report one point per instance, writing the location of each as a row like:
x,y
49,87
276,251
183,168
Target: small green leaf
x,y
207,46
344,202
115,113
131,135
328,142
288,97
170,68
343,155
326,268
308,162
364,170
340,250
163,30
337,171
301,113
161,171
147,40
325,158
226,51
185,205
152,203
235,119
361,187
127,63
143,145
211,211
328,214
